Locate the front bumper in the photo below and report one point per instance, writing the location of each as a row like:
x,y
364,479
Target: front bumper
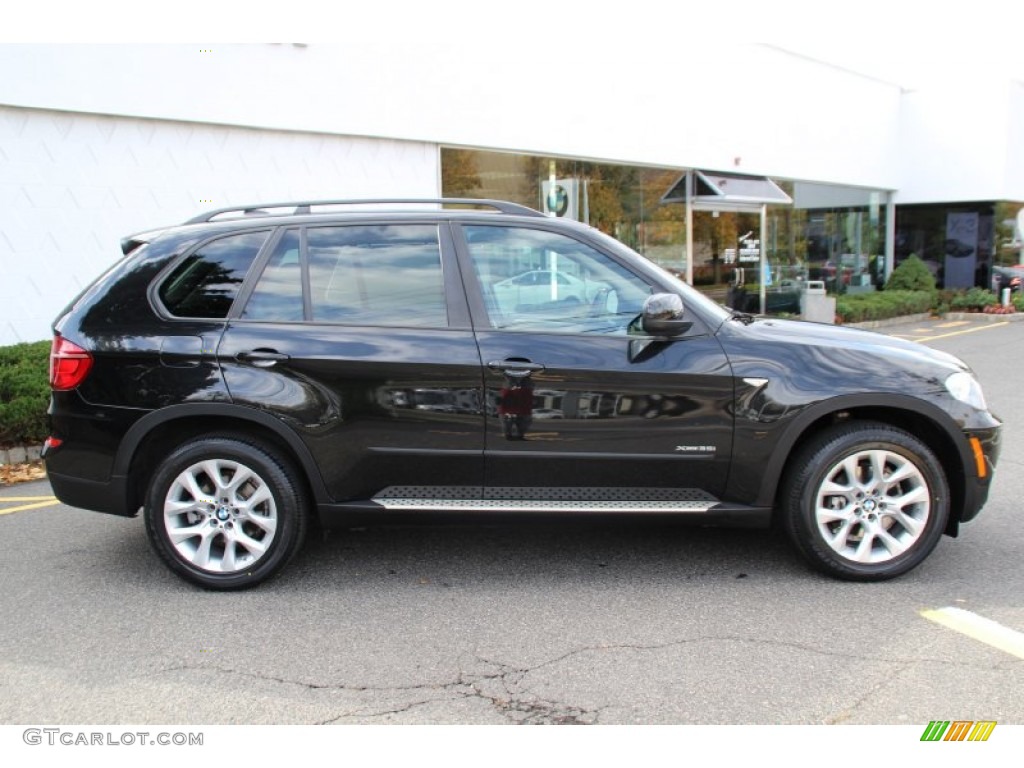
x,y
979,467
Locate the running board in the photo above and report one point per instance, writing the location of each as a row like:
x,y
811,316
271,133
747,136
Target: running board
x,y
514,499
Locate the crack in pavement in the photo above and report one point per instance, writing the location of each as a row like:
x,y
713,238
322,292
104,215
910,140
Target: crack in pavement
x,y
848,712
758,641
382,713
511,701
502,687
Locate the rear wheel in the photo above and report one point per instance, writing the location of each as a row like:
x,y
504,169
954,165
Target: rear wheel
x,y
865,501
225,513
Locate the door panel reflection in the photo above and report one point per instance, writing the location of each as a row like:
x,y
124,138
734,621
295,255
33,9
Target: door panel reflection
x,y
591,417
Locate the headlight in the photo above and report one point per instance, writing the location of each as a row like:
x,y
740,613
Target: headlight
x,y
965,388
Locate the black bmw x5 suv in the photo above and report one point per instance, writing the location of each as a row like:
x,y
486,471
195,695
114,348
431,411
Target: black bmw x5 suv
x,y
237,377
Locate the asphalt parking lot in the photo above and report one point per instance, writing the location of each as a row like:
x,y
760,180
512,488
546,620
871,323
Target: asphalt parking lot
x,y
573,622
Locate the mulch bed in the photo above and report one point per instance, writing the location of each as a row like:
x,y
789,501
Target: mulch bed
x,y
21,473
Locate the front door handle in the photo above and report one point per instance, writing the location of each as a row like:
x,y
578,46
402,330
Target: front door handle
x,y
515,369
261,358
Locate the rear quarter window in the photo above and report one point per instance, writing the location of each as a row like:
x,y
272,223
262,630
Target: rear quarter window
x,y
206,283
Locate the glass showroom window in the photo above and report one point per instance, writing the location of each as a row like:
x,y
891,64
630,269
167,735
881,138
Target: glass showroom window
x,y
830,233
620,200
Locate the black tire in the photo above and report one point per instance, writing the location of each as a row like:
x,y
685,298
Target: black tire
x,y
234,539
890,527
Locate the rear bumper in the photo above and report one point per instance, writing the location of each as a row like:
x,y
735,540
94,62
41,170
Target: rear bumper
x,y
108,497
80,454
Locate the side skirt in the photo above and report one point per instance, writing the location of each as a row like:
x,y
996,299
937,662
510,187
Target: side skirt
x,y
411,504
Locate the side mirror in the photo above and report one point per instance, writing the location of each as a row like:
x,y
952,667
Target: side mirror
x,y
662,315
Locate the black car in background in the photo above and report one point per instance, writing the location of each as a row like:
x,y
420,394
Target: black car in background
x,y
1011,277
248,372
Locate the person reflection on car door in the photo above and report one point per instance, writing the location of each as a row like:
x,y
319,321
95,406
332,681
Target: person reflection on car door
x,y
515,407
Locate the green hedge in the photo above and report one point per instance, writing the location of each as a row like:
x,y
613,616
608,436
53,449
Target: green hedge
x,y
972,300
24,393
881,305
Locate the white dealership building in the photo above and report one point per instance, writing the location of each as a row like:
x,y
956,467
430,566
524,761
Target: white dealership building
x,y
100,141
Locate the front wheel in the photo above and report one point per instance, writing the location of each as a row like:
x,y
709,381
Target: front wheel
x,y
225,513
865,501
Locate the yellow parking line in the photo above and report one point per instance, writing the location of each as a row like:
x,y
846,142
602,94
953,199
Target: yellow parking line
x,y
25,498
953,323
966,330
50,502
979,628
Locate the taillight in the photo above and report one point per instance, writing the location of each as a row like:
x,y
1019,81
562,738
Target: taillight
x,y
69,364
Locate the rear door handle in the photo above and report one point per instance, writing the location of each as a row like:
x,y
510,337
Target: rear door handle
x,y
261,358
516,369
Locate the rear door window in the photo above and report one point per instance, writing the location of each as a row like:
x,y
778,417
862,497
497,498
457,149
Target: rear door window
x,y
377,275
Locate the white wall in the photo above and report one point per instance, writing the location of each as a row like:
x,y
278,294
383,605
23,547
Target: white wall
x,y
733,106
1015,151
962,141
71,185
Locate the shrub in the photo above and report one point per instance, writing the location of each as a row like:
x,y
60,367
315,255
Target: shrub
x,y
860,307
942,301
24,392
911,275
973,300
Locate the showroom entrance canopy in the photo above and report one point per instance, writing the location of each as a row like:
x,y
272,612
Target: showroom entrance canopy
x,y
726,192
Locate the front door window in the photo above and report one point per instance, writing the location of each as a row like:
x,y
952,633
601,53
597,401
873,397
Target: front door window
x,y
534,280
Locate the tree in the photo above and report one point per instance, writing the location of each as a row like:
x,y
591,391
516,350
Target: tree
x,y
459,174
911,275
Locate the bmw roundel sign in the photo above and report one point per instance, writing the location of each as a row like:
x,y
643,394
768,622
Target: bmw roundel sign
x,y
559,198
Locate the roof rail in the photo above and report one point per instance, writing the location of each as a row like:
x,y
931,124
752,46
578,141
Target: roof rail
x,y
303,207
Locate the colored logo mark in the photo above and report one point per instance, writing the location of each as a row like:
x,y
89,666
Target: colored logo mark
x,y
958,730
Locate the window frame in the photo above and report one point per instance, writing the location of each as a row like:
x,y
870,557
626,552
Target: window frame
x,y
157,302
453,293
474,289
260,267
